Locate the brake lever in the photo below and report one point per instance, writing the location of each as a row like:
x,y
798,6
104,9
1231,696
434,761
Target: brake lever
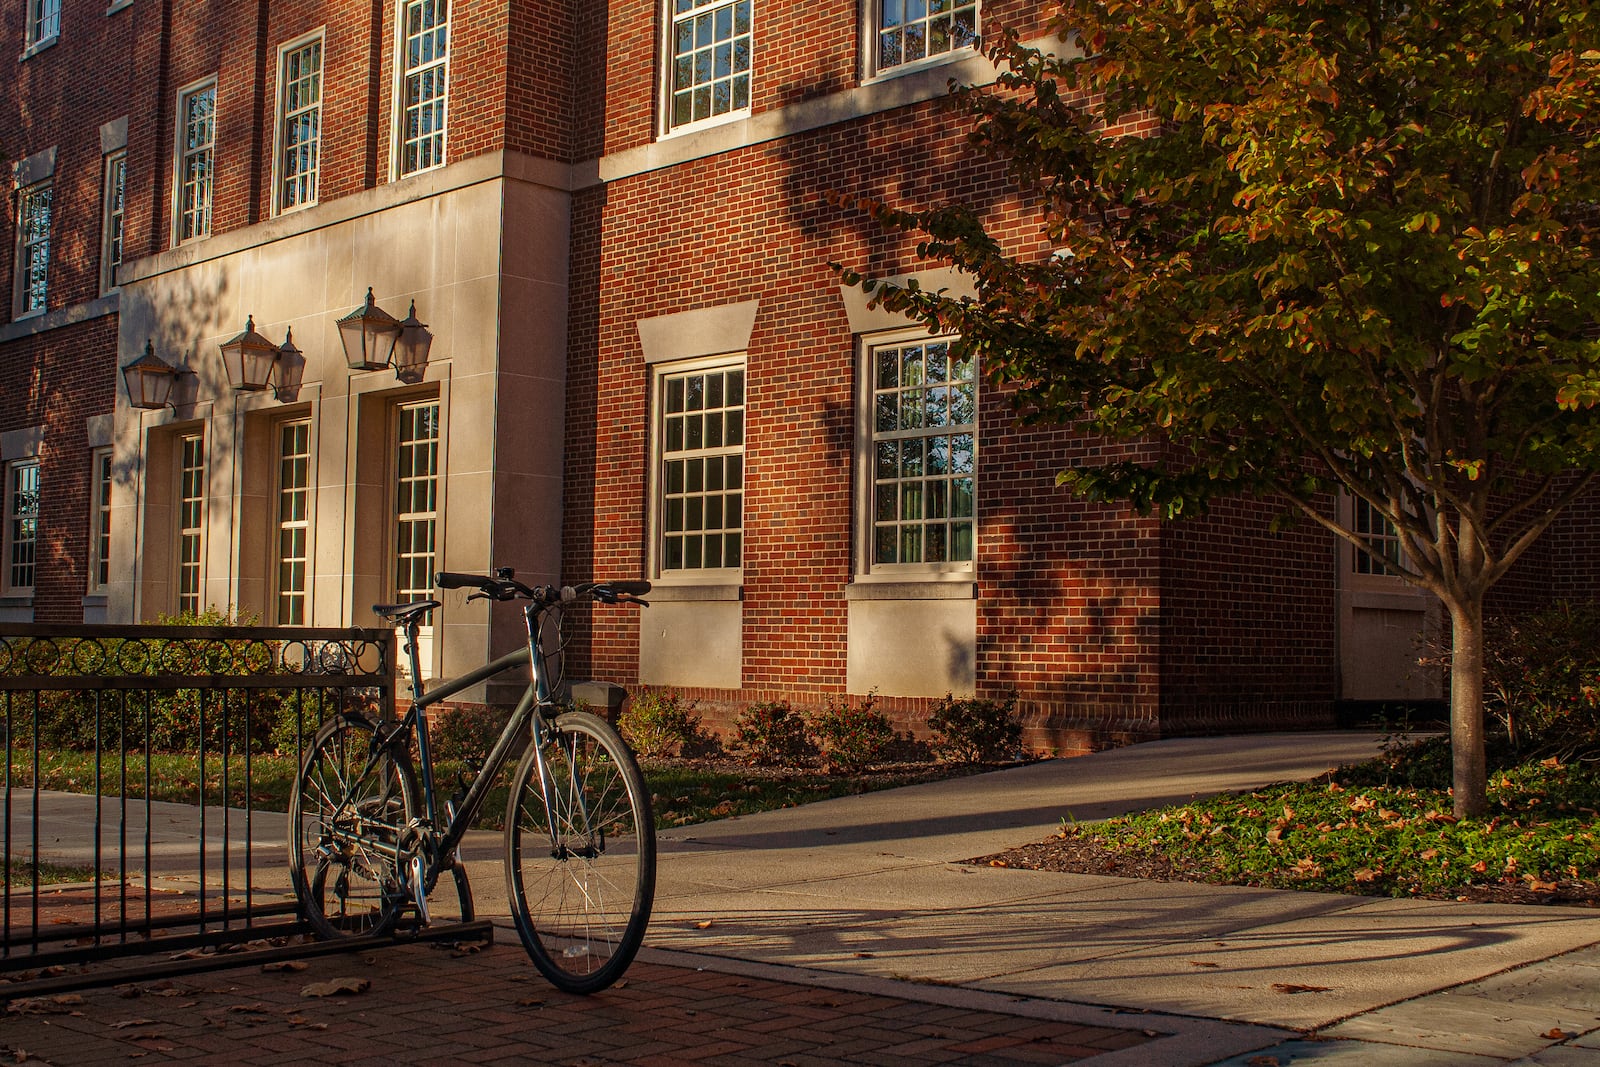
x,y
478,596
625,598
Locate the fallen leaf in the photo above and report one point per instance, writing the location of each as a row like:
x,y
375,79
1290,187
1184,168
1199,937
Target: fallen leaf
x,y
285,965
704,924
1203,963
335,987
1555,1033
1366,874
1274,835
1306,867
123,1024
57,1005
1262,1061
998,863
1294,987
1480,866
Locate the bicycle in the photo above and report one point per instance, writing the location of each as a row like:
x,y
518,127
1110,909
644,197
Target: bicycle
x,y
366,843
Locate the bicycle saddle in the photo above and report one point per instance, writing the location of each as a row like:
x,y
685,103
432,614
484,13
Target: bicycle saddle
x,y
399,613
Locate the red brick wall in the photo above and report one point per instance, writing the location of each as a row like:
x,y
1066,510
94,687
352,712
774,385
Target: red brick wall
x,y
1083,609
55,380
1248,622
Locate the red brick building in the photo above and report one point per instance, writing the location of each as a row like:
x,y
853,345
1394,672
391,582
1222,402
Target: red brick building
x,y
614,219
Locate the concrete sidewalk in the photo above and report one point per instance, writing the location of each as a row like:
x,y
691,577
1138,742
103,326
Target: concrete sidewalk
x,y
922,958
874,886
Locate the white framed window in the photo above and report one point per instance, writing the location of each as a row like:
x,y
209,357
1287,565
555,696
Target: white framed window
x,y
34,211
416,509
708,61
917,506
43,23
99,519
21,526
299,137
1368,523
909,33
423,75
191,524
113,202
196,162
292,550
698,495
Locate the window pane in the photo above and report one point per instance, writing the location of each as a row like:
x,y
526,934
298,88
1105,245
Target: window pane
x,y
921,470
416,495
423,82
711,59
191,522
909,30
702,468
33,263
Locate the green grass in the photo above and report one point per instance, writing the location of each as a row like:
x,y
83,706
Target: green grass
x,y
1381,829
20,873
172,777
682,793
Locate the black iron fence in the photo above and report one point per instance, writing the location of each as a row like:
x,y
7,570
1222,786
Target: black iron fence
x,y
147,772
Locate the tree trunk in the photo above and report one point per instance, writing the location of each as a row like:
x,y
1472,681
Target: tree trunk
x,y
1469,777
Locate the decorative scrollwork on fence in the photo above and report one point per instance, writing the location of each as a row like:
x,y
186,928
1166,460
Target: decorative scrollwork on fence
x,y
76,659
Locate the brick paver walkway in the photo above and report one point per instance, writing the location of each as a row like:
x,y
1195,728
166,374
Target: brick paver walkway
x,y
422,1003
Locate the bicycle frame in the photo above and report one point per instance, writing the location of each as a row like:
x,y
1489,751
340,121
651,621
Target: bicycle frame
x,y
526,722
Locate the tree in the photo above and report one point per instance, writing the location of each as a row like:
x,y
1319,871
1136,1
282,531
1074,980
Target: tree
x,y
1357,254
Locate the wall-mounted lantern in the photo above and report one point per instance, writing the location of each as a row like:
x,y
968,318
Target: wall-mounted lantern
x,y
150,380
374,339
249,358
411,348
368,335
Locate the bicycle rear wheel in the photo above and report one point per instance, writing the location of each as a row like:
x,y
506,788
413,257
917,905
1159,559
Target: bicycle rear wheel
x,y
354,798
580,854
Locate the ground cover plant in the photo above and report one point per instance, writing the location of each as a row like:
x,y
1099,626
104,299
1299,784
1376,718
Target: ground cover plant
x,y
683,791
1382,828
779,758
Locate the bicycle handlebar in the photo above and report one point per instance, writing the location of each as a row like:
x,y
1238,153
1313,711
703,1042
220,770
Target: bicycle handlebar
x,y
503,585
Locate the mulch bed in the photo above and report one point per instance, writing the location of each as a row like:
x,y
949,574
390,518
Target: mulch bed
x,y
1080,854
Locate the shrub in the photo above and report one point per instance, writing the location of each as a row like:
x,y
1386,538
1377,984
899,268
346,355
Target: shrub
x,y
772,732
464,732
661,723
853,737
971,730
1542,680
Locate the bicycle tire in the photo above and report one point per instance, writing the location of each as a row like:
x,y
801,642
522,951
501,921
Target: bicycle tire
x,y
346,815
580,877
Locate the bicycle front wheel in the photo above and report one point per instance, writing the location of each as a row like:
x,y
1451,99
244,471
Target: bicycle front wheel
x,y
580,854
355,796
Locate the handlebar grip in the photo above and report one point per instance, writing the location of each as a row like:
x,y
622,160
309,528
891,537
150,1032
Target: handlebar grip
x,y
629,587
456,580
